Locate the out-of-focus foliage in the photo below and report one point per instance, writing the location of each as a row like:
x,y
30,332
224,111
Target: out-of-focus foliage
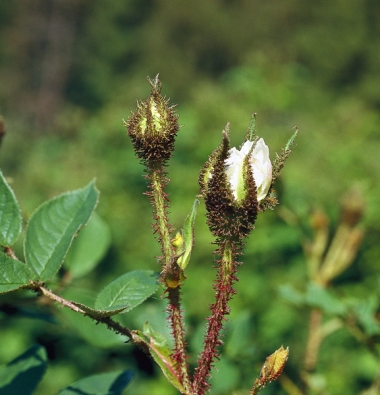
x,y
70,71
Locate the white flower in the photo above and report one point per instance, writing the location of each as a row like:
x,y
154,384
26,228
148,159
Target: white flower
x,y
261,168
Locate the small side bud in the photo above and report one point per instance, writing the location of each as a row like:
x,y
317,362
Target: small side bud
x,y
178,241
153,127
271,370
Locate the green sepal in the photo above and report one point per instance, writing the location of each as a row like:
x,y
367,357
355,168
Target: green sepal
x,y
160,351
188,237
88,248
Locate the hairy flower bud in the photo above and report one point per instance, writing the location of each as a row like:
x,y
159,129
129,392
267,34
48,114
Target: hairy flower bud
x,y
228,217
153,127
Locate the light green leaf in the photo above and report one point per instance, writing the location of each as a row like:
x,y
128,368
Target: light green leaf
x,y
317,296
10,215
52,228
188,236
289,293
112,383
13,274
129,290
22,375
89,247
365,312
160,351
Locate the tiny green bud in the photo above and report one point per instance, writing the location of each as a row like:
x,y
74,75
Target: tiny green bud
x,y
153,127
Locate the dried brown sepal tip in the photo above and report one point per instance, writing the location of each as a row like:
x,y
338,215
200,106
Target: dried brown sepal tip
x,y
271,369
153,127
227,217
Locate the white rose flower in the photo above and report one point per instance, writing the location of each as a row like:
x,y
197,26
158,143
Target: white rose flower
x,y
261,168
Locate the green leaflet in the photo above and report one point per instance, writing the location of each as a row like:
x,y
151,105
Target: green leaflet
x,y
10,215
127,291
52,228
13,274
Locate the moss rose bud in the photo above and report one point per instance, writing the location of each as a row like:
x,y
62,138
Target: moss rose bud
x,y
153,127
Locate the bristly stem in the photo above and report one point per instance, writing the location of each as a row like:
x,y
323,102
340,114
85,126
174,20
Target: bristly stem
x,y
227,268
162,227
176,320
159,200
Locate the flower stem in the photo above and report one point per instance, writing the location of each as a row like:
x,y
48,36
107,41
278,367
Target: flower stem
x,y
159,200
176,320
169,269
227,268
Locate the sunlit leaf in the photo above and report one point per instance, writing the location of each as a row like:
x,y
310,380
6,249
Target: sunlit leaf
x,y
129,290
10,215
52,228
13,273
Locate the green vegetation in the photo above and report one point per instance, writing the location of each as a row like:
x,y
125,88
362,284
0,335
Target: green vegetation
x,y
70,72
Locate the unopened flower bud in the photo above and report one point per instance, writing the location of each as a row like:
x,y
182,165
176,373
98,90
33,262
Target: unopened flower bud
x,y
261,166
153,127
231,207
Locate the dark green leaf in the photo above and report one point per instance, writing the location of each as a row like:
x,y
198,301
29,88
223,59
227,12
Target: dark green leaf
x,y
10,215
89,247
21,376
112,383
52,228
13,274
129,290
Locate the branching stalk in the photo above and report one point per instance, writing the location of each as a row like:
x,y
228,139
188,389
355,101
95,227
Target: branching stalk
x,y
115,326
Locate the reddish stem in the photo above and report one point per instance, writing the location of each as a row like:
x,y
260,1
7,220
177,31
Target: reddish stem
x,y
176,322
227,267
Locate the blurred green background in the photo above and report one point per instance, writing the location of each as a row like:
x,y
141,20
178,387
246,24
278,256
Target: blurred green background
x,y
71,70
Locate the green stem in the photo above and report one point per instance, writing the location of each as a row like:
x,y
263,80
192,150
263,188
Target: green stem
x,y
170,268
227,268
159,200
